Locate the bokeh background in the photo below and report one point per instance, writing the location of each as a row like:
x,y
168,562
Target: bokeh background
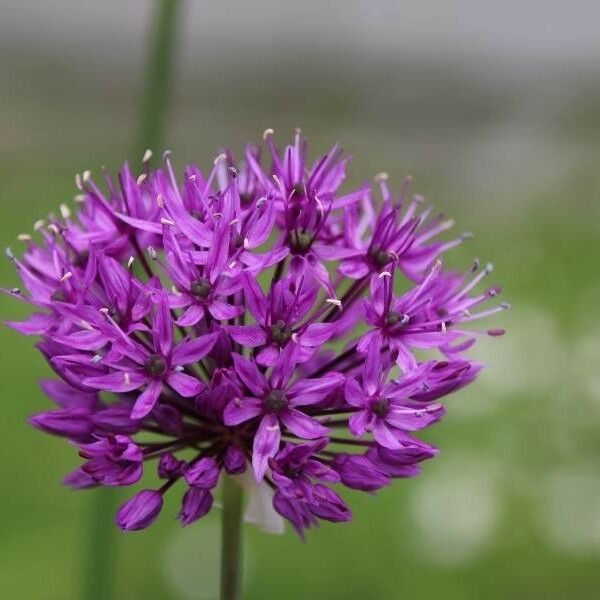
x,y
494,108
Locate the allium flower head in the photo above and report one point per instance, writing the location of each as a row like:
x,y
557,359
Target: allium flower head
x,y
247,318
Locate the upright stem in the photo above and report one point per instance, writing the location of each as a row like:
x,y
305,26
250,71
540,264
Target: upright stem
x,y
98,580
158,77
231,541
99,560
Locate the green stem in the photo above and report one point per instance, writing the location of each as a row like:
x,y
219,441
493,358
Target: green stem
x,y
99,568
101,531
158,80
231,541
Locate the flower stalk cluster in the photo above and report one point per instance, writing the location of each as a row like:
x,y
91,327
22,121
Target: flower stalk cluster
x,y
253,317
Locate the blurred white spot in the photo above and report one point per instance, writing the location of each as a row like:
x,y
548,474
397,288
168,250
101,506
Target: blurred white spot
x,y
192,560
260,511
531,356
456,512
570,511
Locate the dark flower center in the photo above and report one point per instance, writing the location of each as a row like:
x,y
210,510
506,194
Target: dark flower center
x,y
381,407
379,257
301,241
298,190
395,318
276,400
156,365
246,197
58,296
201,288
291,472
281,332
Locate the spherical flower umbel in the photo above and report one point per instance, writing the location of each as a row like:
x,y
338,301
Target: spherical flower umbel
x,y
253,317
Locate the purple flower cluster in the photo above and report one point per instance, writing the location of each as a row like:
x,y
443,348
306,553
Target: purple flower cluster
x,y
252,317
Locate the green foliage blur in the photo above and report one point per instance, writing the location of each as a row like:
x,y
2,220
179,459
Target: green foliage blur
x,y
511,507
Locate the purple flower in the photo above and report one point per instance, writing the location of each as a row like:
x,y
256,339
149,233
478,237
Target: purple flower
x,y
385,409
277,403
246,316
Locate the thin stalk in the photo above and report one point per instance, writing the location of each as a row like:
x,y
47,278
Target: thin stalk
x,y
158,81
231,541
98,583
98,579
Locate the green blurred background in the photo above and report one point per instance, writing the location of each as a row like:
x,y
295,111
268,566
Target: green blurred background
x,y
496,114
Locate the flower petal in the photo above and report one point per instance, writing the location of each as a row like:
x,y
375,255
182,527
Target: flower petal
x,y
302,425
183,384
146,400
266,444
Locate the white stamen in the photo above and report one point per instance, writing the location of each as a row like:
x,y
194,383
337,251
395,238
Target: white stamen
x,y
147,155
178,368
53,228
319,205
86,176
384,274
273,428
166,154
38,224
65,211
141,179
381,177
167,221
9,254
335,302
160,201
175,290
79,198
505,306
489,268
130,262
96,358
66,276
86,325
267,133
295,338
23,237
15,291
217,215
444,330
104,310
192,177
232,264
219,158
246,243
234,221
78,181
237,401
152,253
126,378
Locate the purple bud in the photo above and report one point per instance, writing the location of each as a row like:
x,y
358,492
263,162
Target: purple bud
x,y
170,467
359,473
168,418
203,473
235,460
116,419
295,511
140,511
79,480
71,422
401,462
327,505
196,503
